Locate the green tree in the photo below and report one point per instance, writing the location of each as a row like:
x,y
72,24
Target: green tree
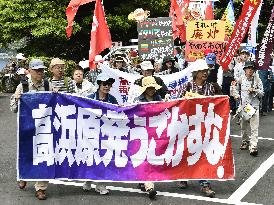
x,y
42,23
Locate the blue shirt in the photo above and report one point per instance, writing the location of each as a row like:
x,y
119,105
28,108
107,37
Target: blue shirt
x,y
109,98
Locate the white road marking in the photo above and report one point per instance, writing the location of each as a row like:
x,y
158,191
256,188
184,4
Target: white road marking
x,y
260,138
159,193
243,190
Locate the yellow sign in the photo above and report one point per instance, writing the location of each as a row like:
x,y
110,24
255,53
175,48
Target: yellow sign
x,y
205,30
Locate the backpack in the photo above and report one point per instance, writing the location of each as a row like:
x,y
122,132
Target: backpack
x,y
25,85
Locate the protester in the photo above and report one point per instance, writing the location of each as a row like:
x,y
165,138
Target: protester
x,y
265,76
58,81
148,70
149,94
180,58
91,75
102,94
238,69
35,83
213,67
199,85
248,90
157,66
82,86
225,78
168,65
120,64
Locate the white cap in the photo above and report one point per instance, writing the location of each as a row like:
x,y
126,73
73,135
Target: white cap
x,y
21,71
146,65
84,64
20,56
98,59
198,65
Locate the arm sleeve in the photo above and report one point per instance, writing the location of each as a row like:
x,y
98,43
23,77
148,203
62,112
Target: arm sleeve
x,y
220,76
71,86
13,101
259,91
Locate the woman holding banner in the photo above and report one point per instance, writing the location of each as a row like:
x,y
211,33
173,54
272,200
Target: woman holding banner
x,y
149,94
102,94
198,86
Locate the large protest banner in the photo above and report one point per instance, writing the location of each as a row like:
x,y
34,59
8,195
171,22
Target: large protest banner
x,y
155,38
127,90
248,11
195,49
69,137
205,30
263,56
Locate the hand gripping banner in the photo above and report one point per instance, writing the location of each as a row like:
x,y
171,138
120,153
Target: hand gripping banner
x,y
68,137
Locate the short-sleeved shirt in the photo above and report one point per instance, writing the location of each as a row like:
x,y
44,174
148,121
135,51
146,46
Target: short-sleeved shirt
x,y
64,85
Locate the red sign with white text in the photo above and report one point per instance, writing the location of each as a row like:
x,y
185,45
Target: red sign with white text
x,y
248,11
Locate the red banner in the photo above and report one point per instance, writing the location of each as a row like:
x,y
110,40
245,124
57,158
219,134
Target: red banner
x,y
195,49
71,12
100,37
248,11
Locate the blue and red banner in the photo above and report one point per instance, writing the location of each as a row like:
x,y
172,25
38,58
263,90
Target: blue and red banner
x,y
68,137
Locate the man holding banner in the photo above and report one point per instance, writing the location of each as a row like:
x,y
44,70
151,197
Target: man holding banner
x,y
35,84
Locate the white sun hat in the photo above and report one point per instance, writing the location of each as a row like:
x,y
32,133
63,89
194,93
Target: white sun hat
x,y
199,64
146,65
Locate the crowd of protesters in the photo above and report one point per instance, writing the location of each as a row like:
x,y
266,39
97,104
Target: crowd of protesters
x,y
241,82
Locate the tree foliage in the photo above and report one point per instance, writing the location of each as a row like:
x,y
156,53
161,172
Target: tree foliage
x,y
43,23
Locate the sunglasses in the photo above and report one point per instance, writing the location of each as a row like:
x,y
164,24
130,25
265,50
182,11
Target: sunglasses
x,y
105,83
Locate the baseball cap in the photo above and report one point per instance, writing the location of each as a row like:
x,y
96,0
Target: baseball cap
x,y
36,64
211,59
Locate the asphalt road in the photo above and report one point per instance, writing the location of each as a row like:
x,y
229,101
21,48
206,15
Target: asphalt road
x,y
254,182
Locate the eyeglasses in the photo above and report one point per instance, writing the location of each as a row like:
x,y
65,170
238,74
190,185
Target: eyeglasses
x,y
59,67
39,70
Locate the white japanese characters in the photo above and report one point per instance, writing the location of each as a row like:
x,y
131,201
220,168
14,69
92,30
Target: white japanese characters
x,y
92,136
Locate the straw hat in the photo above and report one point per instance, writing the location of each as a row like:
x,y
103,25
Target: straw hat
x,y
148,82
56,61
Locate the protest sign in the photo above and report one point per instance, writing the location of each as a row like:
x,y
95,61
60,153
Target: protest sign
x,y
248,11
263,56
155,38
206,30
69,137
127,91
195,49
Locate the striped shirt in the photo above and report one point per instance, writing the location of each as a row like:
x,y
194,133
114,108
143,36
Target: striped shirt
x,y
207,89
64,85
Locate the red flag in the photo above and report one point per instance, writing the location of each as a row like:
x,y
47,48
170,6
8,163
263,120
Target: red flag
x,y
209,15
71,12
248,11
178,12
100,38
